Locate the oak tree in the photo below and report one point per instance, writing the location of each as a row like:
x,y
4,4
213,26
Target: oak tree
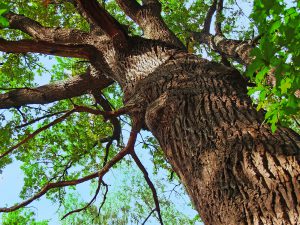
x,y
142,62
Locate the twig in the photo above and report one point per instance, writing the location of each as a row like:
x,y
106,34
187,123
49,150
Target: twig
x,y
149,182
148,216
87,205
104,197
128,149
32,135
40,118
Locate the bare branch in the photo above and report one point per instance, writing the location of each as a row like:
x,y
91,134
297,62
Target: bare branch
x,y
26,46
40,118
208,18
39,32
218,24
234,49
149,19
104,197
149,182
72,87
152,211
106,114
87,205
105,21
107,107
129,148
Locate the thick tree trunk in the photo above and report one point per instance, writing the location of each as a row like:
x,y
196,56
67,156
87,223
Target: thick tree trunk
x,y
234,169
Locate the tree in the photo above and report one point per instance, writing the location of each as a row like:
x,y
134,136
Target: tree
x,y
236,168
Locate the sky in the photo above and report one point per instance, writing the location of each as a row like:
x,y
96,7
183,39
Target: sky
x,y
11,178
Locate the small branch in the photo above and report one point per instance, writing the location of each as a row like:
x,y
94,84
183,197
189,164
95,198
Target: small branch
x,y
104,103
152,211
149,182
87,205
104,197
107,114
32,135
40,118
129,148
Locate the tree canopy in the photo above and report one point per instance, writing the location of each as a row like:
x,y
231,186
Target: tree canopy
x,y
62,140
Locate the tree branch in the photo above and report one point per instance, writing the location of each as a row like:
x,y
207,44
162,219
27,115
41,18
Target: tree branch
x,y
40,118
149,19
39,32
149,182
87,205
208,18
234,49
72,87
129,148
106,106
105,21
26,46
32,135
218,24
152,211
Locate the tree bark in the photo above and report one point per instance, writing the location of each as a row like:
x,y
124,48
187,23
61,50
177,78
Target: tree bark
x,y
234,169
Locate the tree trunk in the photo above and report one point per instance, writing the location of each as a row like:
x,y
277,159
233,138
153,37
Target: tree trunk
x,y
234,169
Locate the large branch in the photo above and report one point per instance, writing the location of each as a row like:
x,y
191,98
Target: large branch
x,y
234,49
105,21
39,32
208,18
25,46
219,11
149,19
74,86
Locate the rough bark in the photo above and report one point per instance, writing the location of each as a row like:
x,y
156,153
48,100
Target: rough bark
x,y
75,86
234,169
234,49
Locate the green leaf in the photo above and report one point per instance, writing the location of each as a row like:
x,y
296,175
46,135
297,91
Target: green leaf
x,y
3,22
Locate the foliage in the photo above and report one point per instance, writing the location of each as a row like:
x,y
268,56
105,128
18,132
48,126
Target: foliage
x,y
276,66
3,9
129,201
21,217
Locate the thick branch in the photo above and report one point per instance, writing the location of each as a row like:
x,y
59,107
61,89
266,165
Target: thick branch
x,y
208,18
218,24
105,21
26,46
39,32
74,86
234,49
149,19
